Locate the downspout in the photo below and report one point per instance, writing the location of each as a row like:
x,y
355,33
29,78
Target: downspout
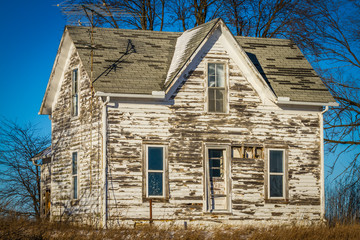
x,y
322,176
104,159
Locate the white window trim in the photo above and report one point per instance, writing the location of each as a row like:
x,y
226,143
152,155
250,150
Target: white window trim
x,y
226,86
227,175
77,176
278,174
72,93
164,147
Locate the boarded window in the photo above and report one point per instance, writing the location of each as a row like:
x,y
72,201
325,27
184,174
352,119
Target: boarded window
x,y
74,175
216,87
75,93
155,165
276,173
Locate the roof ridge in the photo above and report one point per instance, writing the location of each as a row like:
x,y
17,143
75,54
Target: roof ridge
x,y
262,38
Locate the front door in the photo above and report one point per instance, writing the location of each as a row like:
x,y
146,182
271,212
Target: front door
x,y
217,180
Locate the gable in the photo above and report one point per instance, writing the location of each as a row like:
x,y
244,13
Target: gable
x,y
220,34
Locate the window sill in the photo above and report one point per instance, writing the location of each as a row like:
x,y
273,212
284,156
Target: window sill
x,y
224,212
278,201
156,199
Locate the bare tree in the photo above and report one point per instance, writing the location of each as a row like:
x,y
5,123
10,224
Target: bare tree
x,y
339,60
343,201
20,179
139,14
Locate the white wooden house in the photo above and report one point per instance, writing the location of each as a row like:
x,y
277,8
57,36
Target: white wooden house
x,y
209,126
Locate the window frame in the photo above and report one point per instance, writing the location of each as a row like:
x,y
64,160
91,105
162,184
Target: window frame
x,y
75,92
226,97
164,172
75,175
283,174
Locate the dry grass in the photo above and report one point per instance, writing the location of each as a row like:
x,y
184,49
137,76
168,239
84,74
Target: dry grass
x,y
21,228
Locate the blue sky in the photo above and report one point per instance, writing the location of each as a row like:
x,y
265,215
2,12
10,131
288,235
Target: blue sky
x,y
30,36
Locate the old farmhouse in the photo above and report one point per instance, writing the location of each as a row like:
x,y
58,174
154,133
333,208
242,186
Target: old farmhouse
x,y
209,126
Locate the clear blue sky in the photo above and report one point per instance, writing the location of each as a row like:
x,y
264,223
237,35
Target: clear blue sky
x,y
30,36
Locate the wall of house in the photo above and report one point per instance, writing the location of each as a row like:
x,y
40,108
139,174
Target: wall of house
x,y
81,134
185,127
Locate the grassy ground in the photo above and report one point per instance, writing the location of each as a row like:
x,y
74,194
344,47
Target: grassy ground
x,y
21,228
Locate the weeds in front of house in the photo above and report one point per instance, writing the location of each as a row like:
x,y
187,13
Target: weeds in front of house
x,y
15,227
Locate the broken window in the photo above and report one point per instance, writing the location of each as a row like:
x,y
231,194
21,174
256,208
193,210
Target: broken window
x,y
155,166
74,175
248,151
276,173
75,93
216,87
217,179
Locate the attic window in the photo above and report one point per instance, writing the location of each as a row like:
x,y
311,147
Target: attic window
x,y
216,87
75,93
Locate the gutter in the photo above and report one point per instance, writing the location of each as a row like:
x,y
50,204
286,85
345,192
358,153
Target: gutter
x,y
155,95
286,101
104,160
322,160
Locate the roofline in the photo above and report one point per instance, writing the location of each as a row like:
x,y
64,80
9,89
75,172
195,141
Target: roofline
x,y
288,102
156,95
53,70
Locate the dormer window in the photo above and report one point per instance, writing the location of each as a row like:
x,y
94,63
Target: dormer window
x,y
75,93
216,87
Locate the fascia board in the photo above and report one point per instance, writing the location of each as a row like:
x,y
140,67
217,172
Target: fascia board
x,y
253,73
56,73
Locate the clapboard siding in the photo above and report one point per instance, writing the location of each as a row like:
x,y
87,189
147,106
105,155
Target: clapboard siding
x,y
185,126
79,134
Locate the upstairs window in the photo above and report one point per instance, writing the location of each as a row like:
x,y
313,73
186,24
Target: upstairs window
x,y
75,93
276,174
216,87
74,175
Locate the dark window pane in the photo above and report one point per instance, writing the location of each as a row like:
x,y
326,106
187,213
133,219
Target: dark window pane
x,y
155,158
276,186
211,82
211,69
215,163
215,173
211,100
215,153
74,163
75,187
276,161
155,184
219,106
220,94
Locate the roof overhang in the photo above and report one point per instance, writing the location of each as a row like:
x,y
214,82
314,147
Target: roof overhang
x,y
286,101
56,74
156,95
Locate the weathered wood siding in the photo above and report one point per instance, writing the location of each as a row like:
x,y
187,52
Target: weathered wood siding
x,y
81,134
185,127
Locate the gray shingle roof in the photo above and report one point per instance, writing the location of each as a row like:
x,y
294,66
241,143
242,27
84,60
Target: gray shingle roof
x,y
285,68
280,62
141,72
